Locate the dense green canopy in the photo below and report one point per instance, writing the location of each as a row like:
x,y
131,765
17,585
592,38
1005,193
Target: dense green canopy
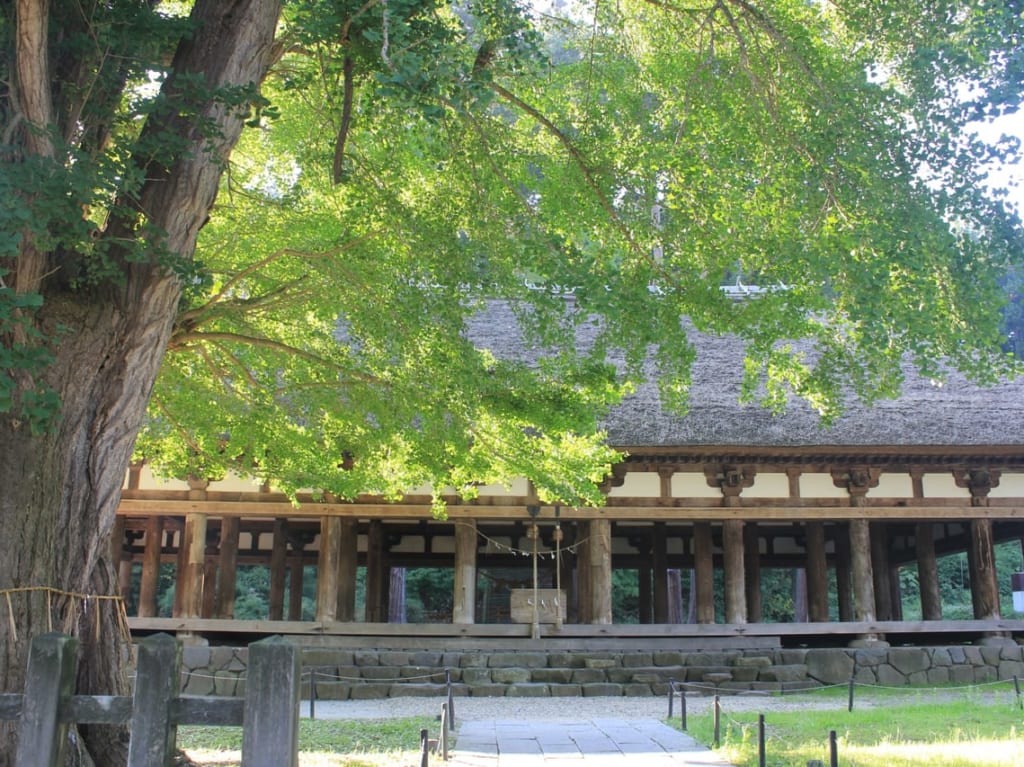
x,y
409,160
639,156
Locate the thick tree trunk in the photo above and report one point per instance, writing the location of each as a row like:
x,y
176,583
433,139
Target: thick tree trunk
x,y
62,487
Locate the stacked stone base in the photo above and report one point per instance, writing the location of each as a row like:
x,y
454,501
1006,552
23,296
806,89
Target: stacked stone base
x,y
375,674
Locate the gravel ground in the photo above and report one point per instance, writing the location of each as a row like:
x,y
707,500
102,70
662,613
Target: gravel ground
x,y
569,709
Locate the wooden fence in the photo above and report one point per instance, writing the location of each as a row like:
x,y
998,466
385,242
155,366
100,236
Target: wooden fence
x,y
269,712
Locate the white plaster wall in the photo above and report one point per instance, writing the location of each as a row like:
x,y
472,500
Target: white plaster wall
x,y
943,486
693,484
768,486
1010,486
639,484
820,486
147,481
893,486
519,487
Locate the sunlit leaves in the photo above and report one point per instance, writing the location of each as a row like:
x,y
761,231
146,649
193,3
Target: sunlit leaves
x,y
513,245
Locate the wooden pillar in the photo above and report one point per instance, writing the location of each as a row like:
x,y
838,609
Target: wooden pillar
x,y
296,573
881,572
151,567
396,595
735,572
210,578
857,481
752,577
569,572
704,572
659,569
645,594
800,608
583,585
376,571
844,580
860,571
928,572
464,598
278,560
348,568
675,597
817,572
600,571
896,593
328,570
982,563
228,570
981,558
190,580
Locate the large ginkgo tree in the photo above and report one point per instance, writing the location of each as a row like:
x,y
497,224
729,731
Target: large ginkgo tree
x,y
271,238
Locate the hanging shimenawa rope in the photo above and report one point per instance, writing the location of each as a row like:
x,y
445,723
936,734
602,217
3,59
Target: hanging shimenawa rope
x,y
71,614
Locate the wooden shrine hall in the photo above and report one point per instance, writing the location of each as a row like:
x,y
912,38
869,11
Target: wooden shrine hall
x,y
723,494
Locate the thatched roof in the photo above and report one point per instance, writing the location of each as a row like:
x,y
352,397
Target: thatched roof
x,y
955,413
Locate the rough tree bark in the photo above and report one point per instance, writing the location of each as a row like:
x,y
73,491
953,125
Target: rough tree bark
x,y
61,488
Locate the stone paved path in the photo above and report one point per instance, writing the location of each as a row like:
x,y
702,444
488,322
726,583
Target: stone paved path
x,y
580,743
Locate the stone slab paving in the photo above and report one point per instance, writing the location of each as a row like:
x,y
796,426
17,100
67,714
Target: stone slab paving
x,y
577,743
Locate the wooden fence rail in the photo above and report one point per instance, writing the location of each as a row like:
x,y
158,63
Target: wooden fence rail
x,y
269,713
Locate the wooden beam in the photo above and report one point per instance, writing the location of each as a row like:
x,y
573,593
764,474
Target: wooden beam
x,y
817,572
141,507
569,630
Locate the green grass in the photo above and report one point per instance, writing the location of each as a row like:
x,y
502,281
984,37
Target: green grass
x,y
322,742
968,732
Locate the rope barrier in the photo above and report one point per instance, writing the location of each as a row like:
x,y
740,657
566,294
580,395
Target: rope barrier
x,y
743,728
71,615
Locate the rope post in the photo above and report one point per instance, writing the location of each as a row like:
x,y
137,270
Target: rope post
x,y
833,749
451,699
682,708
445,727
718,722
312,694
1016,687
671,695
761,757
424,748
849,705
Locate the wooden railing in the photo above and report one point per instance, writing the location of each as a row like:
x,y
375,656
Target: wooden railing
x,y
269,713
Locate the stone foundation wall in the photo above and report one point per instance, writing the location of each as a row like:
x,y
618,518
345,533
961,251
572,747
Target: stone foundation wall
x,y
373,674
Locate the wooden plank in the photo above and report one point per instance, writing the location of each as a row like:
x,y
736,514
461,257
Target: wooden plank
x,y
49,680
156,685
98,709
139,507
270,733
212,711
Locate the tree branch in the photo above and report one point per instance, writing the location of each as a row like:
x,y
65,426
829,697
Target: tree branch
x,y
588,175
186,340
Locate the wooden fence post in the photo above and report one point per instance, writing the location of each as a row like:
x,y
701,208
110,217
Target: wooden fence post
x,y
154,736
49,681
270,734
